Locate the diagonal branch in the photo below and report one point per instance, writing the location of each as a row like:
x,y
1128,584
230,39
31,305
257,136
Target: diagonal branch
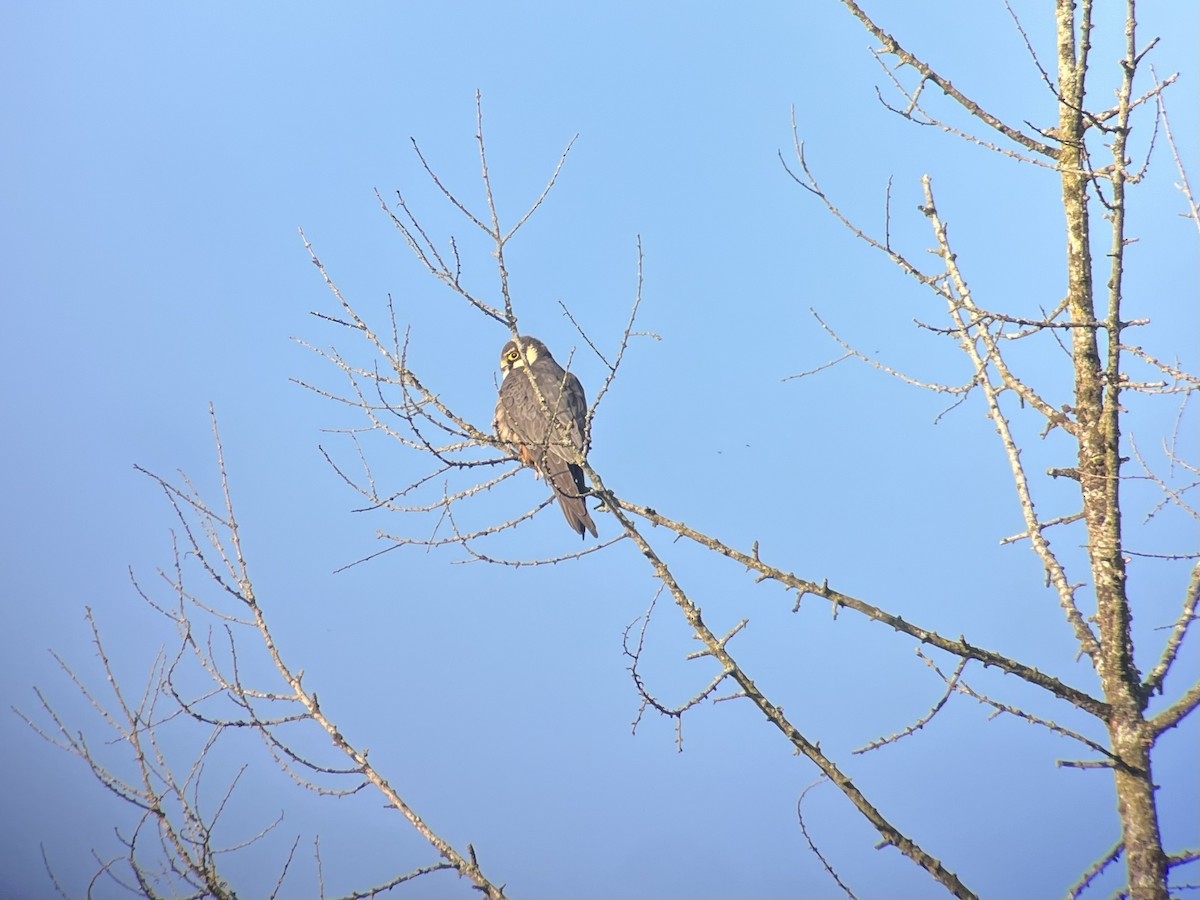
x,y
1154,681
961,647
1041,546
892,47
716,648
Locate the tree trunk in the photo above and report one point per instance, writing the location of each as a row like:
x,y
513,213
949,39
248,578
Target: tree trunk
x,y
1096,408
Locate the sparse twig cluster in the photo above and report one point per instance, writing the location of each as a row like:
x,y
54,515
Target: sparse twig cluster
x,y
226,679
402,407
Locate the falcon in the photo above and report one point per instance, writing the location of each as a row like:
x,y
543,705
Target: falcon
x,y
542,411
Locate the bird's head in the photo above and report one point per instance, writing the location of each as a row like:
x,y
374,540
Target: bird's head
x,y
514,357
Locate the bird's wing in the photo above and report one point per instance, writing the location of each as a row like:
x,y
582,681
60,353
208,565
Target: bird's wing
x,y
560,425
576,407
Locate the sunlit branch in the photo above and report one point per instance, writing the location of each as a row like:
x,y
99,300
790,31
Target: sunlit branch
x,y
892,47
961,647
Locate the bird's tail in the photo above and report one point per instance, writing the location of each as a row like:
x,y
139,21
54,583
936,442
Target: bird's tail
x,y
569,488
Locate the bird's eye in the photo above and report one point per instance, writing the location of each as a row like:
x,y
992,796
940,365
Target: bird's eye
x,y
514,355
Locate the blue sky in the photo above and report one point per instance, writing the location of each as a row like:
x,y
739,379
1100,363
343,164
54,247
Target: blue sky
x,y
160,160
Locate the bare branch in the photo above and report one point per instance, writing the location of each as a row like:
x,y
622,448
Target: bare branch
x,y
1095,869
991,355
1183,185
951,684
774,714
961,647
892,47
812,845
1154,681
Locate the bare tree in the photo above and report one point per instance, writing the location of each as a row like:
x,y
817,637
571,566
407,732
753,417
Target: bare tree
x,y
1089,150
224,677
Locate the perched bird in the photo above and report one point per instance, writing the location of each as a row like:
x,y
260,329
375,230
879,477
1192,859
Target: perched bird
x,y
543,412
